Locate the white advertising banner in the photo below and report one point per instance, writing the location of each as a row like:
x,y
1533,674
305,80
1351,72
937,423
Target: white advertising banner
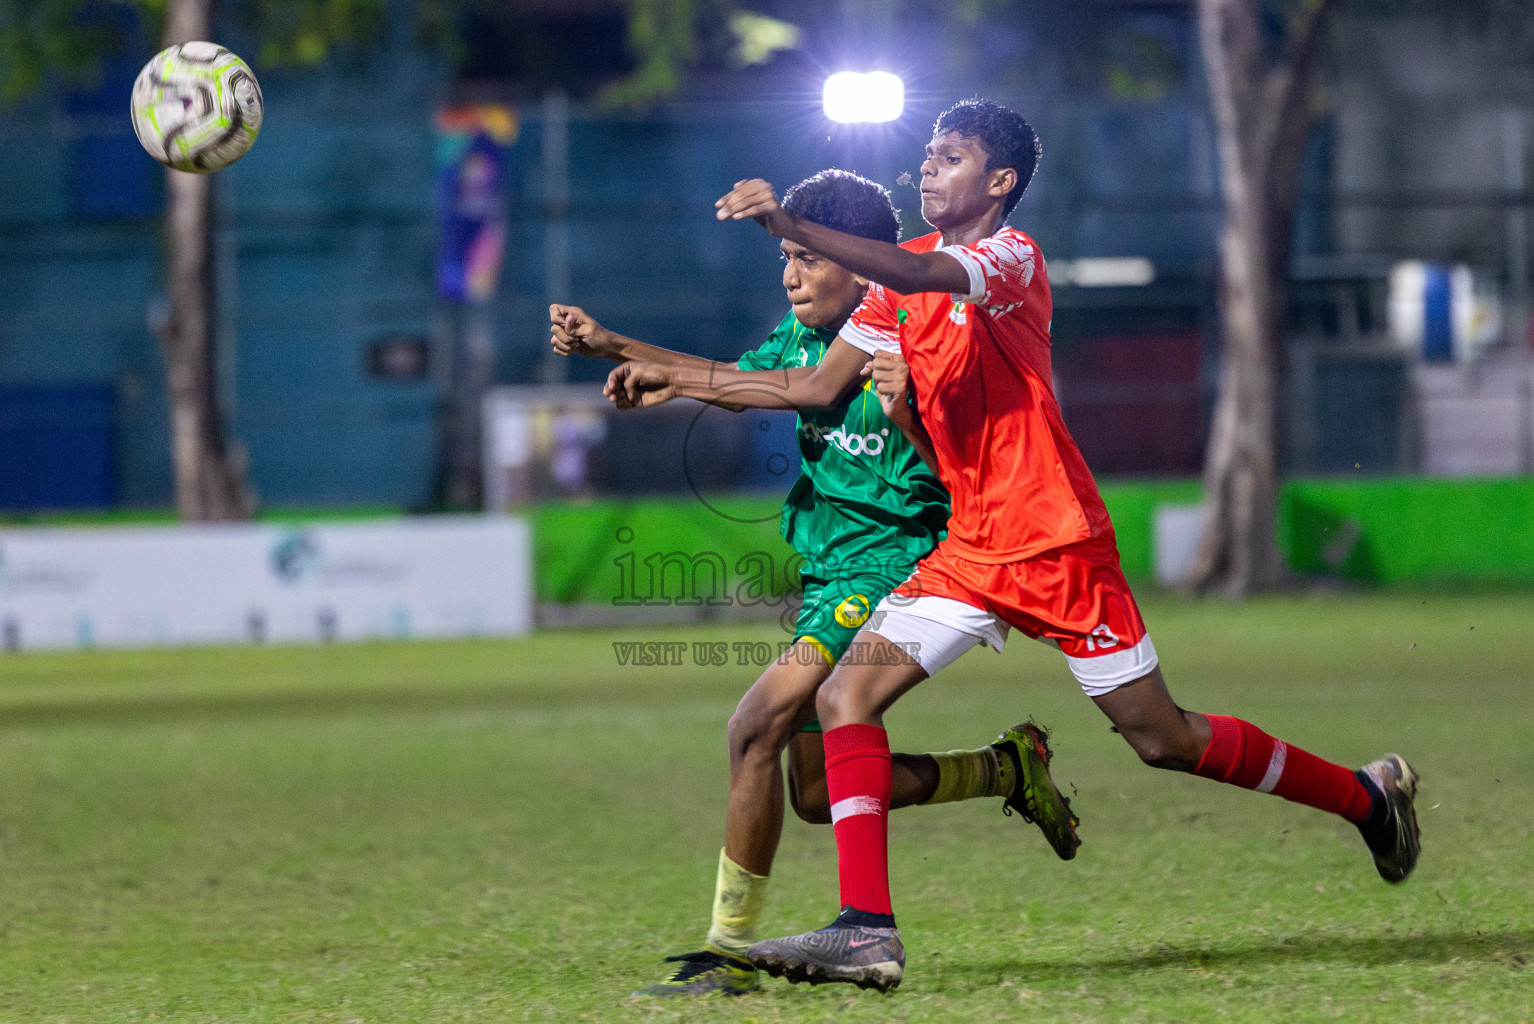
x,y
242,583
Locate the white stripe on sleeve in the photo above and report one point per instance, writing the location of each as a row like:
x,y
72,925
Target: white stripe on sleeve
x,y
861,338
973,267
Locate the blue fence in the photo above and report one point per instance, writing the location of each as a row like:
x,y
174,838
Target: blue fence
x,y
328,234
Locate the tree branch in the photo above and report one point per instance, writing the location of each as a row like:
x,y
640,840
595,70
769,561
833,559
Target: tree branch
x,y
1291,107
1231,48
1285,107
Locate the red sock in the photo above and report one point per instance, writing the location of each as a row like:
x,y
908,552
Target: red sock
x,y
1243,755
858,781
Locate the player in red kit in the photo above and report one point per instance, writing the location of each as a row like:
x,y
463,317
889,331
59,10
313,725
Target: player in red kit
x,y
1030,545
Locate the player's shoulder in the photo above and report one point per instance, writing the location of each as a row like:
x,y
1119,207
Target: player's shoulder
x,y
1009,254
770,354
1009,240
924,243
787,332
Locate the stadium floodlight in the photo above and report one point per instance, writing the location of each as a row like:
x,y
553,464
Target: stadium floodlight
x,y
853,97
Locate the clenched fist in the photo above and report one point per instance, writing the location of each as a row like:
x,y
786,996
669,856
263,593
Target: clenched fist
x,y
891,377
639,385
573,331
753,198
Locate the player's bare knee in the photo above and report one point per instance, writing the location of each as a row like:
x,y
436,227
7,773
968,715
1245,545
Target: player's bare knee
x,y
757,733
831,703
1160,750
810,800
841,699
1153,752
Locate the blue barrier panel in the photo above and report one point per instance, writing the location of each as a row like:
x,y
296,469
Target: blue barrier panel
x,y
57,447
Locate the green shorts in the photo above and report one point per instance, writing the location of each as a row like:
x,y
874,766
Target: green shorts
x,y
835,609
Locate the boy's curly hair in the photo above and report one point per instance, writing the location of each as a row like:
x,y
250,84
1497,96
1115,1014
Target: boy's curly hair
x,y
1008,140
845,202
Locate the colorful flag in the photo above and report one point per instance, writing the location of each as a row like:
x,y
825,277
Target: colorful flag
x,y
472,149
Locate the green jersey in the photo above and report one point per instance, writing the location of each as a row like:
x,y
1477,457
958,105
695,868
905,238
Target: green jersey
x,y
864,500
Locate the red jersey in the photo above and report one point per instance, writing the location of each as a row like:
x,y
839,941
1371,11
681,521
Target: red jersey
x,y
981,369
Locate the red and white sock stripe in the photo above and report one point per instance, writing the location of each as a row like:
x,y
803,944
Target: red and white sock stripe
x,y
1275,772
1243,755
855,805
858,778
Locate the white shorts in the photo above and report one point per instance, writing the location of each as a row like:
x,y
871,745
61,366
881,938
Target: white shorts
x,y
938,630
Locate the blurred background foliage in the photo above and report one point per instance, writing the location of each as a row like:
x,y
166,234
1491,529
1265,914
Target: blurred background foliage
x,y
624,54
70,38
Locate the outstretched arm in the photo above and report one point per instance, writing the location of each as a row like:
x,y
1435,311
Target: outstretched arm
x,y
573,331
640,385
897,269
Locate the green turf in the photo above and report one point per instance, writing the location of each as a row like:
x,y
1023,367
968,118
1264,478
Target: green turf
x,y
519,831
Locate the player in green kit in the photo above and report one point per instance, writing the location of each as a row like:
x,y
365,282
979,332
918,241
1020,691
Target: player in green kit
x,y
864,510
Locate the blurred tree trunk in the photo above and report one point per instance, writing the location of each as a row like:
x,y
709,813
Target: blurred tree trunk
x,y
1264,113
210,473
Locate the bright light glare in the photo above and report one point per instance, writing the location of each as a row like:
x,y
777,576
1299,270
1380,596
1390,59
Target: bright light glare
x,y
1106,272
852,96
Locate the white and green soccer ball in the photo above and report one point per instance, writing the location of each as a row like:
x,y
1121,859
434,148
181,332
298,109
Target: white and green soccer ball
x,y
196,107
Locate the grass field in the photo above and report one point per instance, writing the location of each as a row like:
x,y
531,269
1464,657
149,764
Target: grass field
x,y
520,830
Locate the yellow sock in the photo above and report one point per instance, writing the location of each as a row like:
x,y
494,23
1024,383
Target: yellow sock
x,y
967,774
738,899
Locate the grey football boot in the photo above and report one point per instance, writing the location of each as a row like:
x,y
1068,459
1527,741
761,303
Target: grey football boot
x,y
1391,829
862,956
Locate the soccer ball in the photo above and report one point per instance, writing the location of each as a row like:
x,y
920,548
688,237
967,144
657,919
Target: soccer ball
x,y
196,107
